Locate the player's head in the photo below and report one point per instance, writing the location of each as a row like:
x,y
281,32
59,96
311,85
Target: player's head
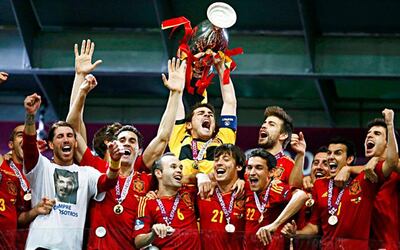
x,y
341,152
229,163
260,163
62,140
320,166
103,136
167,170
15,143
132,141
375,143
276,129
200,122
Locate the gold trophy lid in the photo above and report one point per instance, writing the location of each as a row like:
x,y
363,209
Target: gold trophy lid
x,y
221,15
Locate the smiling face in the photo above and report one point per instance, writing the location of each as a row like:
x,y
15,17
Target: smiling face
x,y
129,141
63,145
170,176
271,132
225,169
375,142
337,158
15,145
259,175
202,124
320,166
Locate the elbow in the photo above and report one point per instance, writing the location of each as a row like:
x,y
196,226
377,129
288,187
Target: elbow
x,y
301,196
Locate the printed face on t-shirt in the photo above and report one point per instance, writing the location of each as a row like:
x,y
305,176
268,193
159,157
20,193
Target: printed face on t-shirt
x,y
66,185
375,142
258,173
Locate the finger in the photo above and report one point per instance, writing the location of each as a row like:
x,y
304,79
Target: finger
x,y
268,236
164,79
83,47
97,63
87,49
183,65
91,49
76,50
301,136
169,66
173,64
177,63
263,237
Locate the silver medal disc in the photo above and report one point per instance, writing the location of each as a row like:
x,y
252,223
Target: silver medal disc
x,y
27,196
230,228
332,220
118,209
100,232
170,230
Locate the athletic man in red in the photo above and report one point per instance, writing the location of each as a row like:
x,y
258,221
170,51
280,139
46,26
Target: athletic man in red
x,y
275,134
222,215
269,203
344,214
168,222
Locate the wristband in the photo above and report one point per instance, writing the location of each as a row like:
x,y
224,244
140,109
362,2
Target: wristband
x,y
114,165
202,178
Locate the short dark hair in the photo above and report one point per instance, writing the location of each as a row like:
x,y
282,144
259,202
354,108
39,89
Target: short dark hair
x,y
233,151
350,148
105,133
267,156
57,125
379,122
287,121
322,149
132,129
13,133
196,106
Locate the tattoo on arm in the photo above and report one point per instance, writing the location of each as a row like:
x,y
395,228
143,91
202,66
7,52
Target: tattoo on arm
x,y
30,119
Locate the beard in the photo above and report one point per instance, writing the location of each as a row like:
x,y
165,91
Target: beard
x,y
266,144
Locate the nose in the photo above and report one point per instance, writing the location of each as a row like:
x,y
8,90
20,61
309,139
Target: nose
x,y
252,172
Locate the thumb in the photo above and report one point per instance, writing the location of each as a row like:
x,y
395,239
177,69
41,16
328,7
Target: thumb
x,y
164,79
98,62
301,136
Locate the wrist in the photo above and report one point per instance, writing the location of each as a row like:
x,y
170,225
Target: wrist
x,y
114,165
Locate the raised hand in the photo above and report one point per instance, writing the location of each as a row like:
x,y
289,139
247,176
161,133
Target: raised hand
x,y
176,75
298,143
115,151
3,77
388,115
307,183
89,83
83,60
32,103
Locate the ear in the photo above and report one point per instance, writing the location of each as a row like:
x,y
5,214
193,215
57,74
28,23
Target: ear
x,y
349,160
188,125
283,137
239,168
10,144
140,151
51,145
158,173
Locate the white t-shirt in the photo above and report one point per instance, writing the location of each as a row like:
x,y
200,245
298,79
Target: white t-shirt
x,y
72,186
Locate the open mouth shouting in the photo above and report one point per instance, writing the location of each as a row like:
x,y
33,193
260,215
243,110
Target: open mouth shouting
x,y
333,166
369,146
66,149
178,178
319,173
253,181
220,172
206,123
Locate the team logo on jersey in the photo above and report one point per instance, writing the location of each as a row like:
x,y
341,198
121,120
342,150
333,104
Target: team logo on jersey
x,y
278,172
139,224
239,204
187,199
138,186
12,188
355,188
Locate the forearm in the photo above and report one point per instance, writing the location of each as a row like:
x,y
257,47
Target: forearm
x,y
296,176
27,217
228,97
392,156
78,80
75,114
180,113
107,181
143,240
31,153
294,205
309,229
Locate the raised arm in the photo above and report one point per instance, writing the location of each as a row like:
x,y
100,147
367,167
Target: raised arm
x,y
83,67
298,144
175,83
31,153
227,91
392,155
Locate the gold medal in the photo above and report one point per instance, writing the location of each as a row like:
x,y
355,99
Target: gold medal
x,y
27,196
310,202
194,165
261,218
230,228
332,220
118,209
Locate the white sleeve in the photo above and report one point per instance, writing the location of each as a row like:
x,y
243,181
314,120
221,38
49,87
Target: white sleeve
x,y
94,176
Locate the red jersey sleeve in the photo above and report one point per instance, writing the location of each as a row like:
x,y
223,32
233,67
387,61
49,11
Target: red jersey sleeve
x,y
88,159
144,221
315,214
139,165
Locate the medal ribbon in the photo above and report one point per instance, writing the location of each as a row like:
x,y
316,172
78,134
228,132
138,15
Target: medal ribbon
x,y
121,197
260,207
20,178
198,156
228,211
168,220
279,155
333,208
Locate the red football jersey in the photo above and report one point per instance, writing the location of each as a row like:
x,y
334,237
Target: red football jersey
x,y
186,235
279,196
119,227
11,203
213,222
385,209
354,212
283,169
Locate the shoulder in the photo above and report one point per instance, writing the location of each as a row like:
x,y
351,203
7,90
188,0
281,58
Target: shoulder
x,y
286,160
